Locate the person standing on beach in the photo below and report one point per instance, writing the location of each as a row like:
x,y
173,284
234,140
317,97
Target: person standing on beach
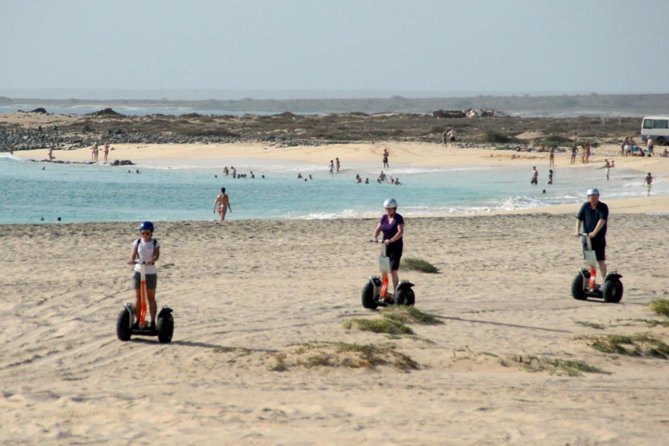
x,y
551,157
385,159
222,204
535,176
648,183
146,250
574,149
650,146
594,215
94,153
331,168
392,227
106,153
338,164
51,157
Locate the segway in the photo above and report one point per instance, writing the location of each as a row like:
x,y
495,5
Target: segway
x,y
585,284
375,292
128,325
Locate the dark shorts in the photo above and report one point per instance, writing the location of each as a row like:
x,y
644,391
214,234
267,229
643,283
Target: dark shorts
x,y
599,246
394,253
151,281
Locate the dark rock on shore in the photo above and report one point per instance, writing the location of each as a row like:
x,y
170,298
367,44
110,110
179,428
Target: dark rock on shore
x,y
105,112
122,163
40,110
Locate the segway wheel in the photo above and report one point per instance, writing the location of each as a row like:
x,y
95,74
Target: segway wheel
x,y
165,326
368,296
405,297
577,290
123,325
612,291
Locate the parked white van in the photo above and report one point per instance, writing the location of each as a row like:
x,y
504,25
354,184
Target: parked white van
x,y
656,127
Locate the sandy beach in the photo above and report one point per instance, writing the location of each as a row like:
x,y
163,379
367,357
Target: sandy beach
x,y
256,301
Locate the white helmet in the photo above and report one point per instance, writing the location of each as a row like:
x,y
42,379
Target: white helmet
x,y
592,191
390,203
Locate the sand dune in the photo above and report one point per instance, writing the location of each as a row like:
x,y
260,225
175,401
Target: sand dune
x,y
255,301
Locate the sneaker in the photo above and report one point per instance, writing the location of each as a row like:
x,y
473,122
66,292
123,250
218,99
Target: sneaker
x,y
153,326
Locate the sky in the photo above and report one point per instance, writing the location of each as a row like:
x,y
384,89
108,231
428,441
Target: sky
x,y
231,49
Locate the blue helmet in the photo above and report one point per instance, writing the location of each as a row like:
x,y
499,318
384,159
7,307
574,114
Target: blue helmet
x,y
146,226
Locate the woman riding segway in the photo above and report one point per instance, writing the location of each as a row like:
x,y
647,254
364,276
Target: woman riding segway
x,y
392,226
132,319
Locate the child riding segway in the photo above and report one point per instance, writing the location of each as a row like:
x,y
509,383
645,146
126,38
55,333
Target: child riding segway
x,y
375,292
132,318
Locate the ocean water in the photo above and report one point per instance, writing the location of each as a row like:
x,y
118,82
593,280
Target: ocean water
x,y
34,192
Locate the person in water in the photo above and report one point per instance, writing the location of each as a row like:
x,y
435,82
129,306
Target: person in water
x,y
392,227
222,204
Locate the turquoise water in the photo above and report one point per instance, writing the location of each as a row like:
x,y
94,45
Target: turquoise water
x,y
33,192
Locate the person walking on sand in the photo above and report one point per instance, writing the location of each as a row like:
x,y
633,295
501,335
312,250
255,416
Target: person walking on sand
x,y
594,215
551,157
94,153
648,183
106,153
574,149
535,176
385,159
222,204
51,157
392,227
338,164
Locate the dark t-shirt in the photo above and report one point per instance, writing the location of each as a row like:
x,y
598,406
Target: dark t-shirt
x,y
390,229
590,217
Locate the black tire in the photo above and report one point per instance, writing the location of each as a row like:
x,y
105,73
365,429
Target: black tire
x,y
123,325
661,141
368,296
577,291
165,326
612,291
405,296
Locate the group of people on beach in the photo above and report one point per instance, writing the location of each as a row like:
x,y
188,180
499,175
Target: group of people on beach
x,y
626,147
95,153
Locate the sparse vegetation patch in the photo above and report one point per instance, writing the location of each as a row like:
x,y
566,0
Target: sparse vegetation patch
x,y
640,345
660,306
409,315
341,354
388,326
557,366
419,265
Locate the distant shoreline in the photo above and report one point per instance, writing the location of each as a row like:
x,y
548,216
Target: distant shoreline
x,y
608,105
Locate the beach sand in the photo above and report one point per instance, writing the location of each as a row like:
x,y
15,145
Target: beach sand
x,y
260,305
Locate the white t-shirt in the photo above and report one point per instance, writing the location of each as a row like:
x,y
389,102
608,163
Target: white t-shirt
x,y
145,253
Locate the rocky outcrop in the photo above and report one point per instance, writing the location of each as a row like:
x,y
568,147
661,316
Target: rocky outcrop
x,y
105,112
